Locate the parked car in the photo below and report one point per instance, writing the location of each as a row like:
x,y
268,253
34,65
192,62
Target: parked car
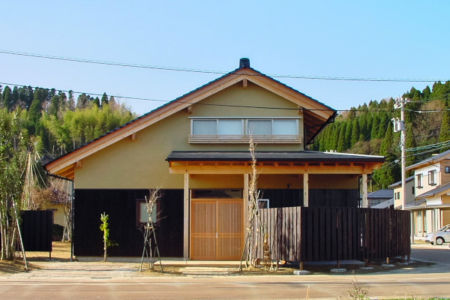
x,y
441,236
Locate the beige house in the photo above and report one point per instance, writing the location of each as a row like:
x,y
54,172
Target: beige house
x,y
431,208
195,150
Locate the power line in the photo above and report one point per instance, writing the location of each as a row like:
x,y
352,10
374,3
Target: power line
x,y
192,70
215,104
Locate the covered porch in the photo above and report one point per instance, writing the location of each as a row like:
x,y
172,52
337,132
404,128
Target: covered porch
x,y
304,178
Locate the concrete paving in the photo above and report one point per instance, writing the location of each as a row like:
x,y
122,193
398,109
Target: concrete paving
x,y
121,280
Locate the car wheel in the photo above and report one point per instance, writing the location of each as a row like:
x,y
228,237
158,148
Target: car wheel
x,y
439,241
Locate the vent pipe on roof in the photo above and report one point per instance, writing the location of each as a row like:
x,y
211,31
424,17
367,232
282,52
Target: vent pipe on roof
x,y
244,63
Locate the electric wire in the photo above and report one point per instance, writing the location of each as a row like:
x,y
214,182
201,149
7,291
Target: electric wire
x,y
222,105
192,70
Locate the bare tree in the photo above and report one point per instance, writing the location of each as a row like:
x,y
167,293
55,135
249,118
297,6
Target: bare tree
x,y
252,227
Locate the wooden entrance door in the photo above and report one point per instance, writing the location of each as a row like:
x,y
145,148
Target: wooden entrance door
x,y
216,229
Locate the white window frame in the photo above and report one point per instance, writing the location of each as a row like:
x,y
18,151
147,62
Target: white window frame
x,y
244,138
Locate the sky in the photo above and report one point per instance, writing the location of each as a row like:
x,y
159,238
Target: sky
x,y
362,39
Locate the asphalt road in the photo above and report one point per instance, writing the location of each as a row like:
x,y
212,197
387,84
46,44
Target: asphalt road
x,y
120,281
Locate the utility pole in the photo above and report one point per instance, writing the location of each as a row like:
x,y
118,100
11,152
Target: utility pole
x,y
399,125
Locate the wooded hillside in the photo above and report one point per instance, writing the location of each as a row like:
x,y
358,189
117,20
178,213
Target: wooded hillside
x,y
367,129
55,122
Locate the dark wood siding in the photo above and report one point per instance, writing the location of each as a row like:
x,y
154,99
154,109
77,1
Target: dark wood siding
x,y
317,197
121,207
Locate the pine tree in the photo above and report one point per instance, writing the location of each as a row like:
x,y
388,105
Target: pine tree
x,y
410,143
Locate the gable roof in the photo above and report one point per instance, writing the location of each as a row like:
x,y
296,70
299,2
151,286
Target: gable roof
x,y
316,114
429,161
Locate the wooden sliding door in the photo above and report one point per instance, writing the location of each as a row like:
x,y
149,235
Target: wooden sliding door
x,y
216,229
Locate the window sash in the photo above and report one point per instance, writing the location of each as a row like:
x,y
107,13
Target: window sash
x,y
243,126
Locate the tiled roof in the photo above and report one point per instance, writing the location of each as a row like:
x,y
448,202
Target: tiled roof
x,y
399,183
305,156
381,194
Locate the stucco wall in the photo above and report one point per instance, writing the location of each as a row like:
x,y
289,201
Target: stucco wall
x,y
141,163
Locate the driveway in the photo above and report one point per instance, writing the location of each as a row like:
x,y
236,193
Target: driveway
x,y
119,280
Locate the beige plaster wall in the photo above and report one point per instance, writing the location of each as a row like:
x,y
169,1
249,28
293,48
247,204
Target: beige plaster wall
x,y
141,163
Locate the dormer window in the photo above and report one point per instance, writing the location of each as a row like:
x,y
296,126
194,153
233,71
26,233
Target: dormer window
x,y
239,130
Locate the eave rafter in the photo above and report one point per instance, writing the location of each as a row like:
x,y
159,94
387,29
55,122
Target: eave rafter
x,y
241,167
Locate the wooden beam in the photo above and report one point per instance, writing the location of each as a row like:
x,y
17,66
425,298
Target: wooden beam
x,y
365,199
78,164
133,137
306,190
244,83
265,169
186,217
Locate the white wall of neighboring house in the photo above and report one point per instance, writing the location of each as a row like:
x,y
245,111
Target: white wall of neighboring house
x,y
424,172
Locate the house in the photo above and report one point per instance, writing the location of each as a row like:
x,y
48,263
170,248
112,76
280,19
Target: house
x,y
195,150
431,208
398,197
380,196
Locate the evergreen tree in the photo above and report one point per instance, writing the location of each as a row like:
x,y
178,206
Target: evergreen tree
x,y
104,99
410,143
386,145
444,134
375,127
7,98
355,132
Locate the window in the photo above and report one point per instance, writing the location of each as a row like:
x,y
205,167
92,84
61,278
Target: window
x,y
204,127
142,213
447,169
263,203
259,127
240,129
432,177
412,192
419,181
230,127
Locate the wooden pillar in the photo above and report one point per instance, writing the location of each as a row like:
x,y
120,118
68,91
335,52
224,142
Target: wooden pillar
x,y
245,204
186,217
306,190
365,199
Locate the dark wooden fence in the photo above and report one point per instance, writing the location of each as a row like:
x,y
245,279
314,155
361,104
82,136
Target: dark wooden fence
x,y
36,228
314,234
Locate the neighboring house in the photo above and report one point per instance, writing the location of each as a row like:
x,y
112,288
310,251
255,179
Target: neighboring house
x,y
380,196
195,150
398,196
431,208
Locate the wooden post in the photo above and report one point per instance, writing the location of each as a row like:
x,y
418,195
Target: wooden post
x,y
186,217
365,199
305,189
245,196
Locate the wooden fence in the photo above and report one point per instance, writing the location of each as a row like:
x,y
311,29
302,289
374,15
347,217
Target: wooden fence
x,y
36,228
317,234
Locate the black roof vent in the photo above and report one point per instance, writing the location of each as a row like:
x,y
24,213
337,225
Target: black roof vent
x,y
244,63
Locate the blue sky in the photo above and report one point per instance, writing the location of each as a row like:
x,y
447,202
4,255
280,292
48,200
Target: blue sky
x,y
376,39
